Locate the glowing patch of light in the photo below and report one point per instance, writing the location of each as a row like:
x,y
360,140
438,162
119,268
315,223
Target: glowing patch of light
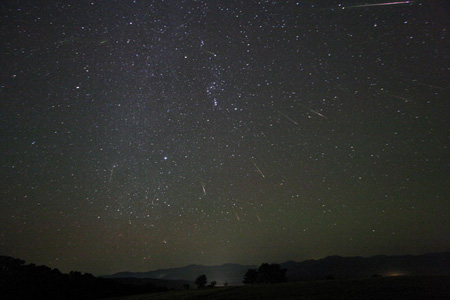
x,y
396,273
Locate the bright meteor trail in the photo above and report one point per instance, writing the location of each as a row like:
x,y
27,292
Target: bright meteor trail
x,y
288,118
381,4
259,170
203,187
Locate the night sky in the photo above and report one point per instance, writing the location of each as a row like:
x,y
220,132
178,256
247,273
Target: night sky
x,y
138,135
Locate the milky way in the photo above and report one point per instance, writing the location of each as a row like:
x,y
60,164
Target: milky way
x,y
150,134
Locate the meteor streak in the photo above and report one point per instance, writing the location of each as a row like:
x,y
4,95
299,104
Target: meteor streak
x,y
313,111
398,97
287,117
111,173
318,113
203,187
259,170
381,4
211,53
429,85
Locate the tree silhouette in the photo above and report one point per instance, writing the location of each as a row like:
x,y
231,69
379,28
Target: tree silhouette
x,y
212,284
265,274
250,277
271,274
201,281
21,281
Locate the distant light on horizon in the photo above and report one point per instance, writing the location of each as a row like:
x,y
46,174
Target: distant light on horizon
x,y
396,274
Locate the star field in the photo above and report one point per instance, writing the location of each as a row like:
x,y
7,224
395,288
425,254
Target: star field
x,y
139,135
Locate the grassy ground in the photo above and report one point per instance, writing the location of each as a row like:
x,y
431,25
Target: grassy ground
x,y
411,288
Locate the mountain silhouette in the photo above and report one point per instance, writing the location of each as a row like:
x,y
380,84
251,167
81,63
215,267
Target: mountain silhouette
x,y
232,273
328,267
359,267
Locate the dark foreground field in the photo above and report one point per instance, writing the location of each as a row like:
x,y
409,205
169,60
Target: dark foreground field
x,y
408,288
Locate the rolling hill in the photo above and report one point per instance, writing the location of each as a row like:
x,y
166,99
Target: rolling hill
x,y
332,266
